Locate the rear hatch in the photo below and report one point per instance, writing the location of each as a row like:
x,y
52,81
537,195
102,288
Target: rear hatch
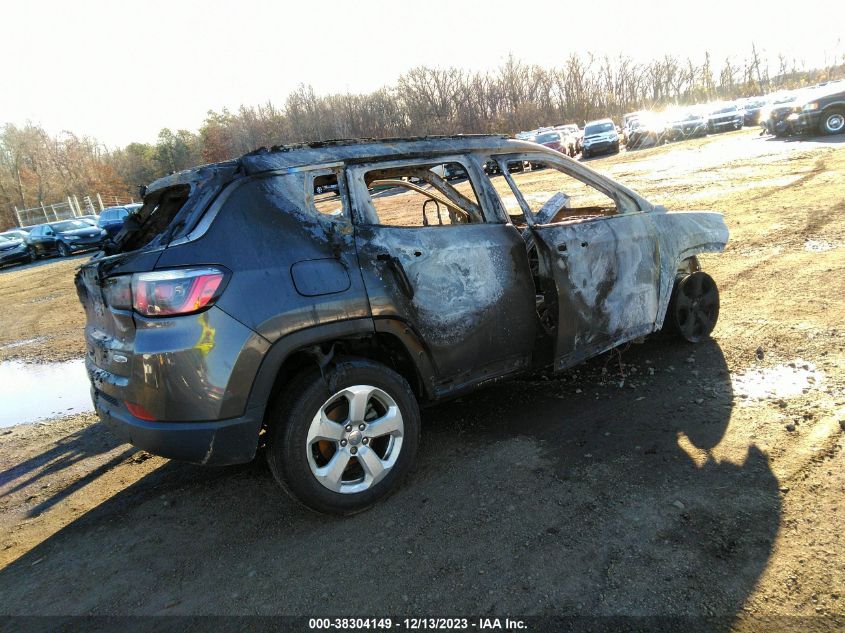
x,y
172,208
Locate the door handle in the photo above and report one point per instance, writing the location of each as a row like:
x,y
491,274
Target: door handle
x,y
399,271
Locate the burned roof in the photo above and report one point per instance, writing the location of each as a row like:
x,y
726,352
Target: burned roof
x,y
281,157
354,150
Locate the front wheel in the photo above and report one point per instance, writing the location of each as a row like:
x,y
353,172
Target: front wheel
x,y
343,439
832,122
693,307
64,251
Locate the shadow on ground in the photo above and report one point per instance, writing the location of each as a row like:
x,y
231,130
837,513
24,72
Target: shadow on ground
x,y
65,455
529,498
46,261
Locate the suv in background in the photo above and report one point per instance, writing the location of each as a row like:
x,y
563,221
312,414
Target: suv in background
x,y
238,308
600,137
820,111
724,116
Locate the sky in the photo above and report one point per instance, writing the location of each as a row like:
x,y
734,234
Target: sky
x,y
121,71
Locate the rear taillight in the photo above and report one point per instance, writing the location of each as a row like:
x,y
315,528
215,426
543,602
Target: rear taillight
x,y
165,292
117,292
178,291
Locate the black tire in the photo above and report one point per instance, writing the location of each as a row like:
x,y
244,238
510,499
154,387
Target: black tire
x,y
585,153
832,122
63,250
693,308
291,419
33,254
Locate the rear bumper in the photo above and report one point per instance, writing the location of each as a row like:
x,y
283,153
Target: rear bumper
x,y
603,146
214,443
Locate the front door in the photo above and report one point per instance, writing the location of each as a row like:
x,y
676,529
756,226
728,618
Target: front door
x,y
434,258
600,251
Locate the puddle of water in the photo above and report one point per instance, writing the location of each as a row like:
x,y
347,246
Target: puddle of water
x,y
818,246
781,381
30,392
24,342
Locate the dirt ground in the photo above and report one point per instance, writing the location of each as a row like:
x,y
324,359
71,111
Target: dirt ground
x,y
658,479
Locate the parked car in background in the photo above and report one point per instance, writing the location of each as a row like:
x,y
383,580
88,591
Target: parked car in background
x,y
723,116
64,238
575,132
111,219
13,249
646,131
600,137
630,116
454,171
17,233
558,140
628,122
322,343
819,111
751,108
684,124
773,117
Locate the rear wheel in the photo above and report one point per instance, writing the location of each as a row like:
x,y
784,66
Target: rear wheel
x,y
342,440
832,122
694,307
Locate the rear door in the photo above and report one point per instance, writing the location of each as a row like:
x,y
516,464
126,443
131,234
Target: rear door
x,y
436,258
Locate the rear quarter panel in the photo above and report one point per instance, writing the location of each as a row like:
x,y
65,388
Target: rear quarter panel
x,y
262,230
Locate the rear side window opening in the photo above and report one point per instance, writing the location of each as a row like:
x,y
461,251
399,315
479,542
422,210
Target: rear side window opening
x,y
153,219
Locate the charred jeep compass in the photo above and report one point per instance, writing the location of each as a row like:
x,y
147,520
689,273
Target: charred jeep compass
x,y
240,308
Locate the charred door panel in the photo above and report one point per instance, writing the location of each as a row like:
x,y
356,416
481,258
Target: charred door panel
x,y
607,273
466,290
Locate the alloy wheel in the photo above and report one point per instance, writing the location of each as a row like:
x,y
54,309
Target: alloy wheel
x,y
355,439
696,306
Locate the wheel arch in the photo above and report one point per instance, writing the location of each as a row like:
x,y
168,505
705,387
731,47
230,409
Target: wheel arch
x,y
684,236
387,341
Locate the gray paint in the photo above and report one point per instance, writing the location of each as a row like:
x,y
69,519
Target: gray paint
x,y
460,300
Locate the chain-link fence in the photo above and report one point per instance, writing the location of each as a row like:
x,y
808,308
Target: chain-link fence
x,y
72,207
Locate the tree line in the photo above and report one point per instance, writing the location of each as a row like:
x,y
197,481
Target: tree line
x,y
36,167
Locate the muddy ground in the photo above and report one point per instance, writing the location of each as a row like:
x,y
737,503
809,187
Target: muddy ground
x,y
661,478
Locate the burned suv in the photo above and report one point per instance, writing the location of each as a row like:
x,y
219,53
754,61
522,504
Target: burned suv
x,y
240,309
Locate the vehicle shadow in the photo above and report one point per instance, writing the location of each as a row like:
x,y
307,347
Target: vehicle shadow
x,y
576,495
67,454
